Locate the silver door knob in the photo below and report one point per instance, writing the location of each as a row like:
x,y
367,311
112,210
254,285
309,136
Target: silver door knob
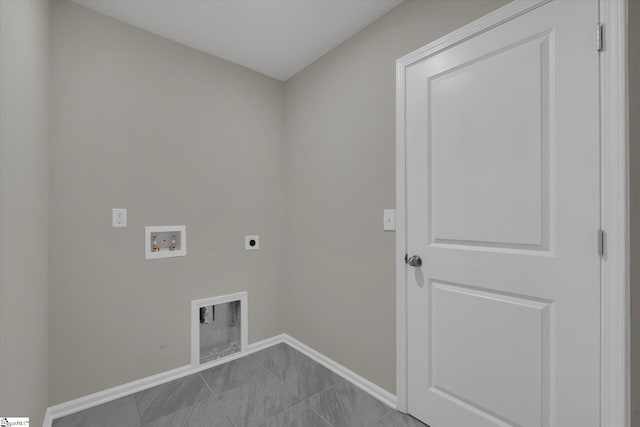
x,y
414,261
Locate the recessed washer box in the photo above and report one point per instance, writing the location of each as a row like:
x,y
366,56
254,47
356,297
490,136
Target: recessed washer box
x,y
165,241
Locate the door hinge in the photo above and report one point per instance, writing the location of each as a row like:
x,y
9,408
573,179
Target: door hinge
x,y
599,38
601,242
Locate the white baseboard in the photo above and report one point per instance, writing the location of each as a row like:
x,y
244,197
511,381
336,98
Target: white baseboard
x,y
110,394
113,393
359,381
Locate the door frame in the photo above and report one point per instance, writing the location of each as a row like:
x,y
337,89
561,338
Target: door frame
x,y
615,365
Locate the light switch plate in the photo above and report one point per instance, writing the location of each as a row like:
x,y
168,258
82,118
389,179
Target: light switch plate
x,y
390,220
118,218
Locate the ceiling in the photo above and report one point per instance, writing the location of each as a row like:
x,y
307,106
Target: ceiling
x,y
274,37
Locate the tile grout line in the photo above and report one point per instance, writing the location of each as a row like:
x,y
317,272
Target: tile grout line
x,y
319,416
135,401
277,378
322,391
197,402
257,377
207,384
254,379
379,419
312,396
305,402
215,396
301,401
389,410
340,379
282,383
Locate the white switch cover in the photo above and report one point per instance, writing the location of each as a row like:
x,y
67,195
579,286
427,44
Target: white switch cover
x,y
251,243
390,220
118,218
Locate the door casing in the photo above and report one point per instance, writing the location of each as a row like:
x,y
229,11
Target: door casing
x,y
615,365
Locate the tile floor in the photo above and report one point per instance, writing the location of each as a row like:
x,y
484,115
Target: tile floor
x,y
275,387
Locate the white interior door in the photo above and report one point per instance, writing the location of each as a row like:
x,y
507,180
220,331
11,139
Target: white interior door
x,y
503,207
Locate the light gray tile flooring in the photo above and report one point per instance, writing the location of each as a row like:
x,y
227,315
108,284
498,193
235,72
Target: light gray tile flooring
x,y
169,397
120,412
345,405
275,387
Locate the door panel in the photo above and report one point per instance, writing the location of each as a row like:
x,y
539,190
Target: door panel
x,y
472,203
502,163
480,338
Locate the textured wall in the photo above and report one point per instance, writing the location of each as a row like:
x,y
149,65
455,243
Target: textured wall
x,y
24,204
176,136
340,132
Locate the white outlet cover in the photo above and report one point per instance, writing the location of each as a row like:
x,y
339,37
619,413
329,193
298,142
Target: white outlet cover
x,y
118,218
256,243
390,220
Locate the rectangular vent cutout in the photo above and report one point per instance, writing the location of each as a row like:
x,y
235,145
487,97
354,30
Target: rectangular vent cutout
x,y
218,327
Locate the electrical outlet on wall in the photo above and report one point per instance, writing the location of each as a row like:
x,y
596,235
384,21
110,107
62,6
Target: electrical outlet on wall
x,y
251,243
118,218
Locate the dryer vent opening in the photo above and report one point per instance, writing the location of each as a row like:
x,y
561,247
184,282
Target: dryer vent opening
x,y
220,330
219,327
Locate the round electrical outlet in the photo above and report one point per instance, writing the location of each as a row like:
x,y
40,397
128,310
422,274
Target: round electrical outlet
x,y
251,243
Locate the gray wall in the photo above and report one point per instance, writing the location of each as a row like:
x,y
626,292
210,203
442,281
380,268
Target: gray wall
x,y
177,137
24,200
634,161
180,137
340,132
